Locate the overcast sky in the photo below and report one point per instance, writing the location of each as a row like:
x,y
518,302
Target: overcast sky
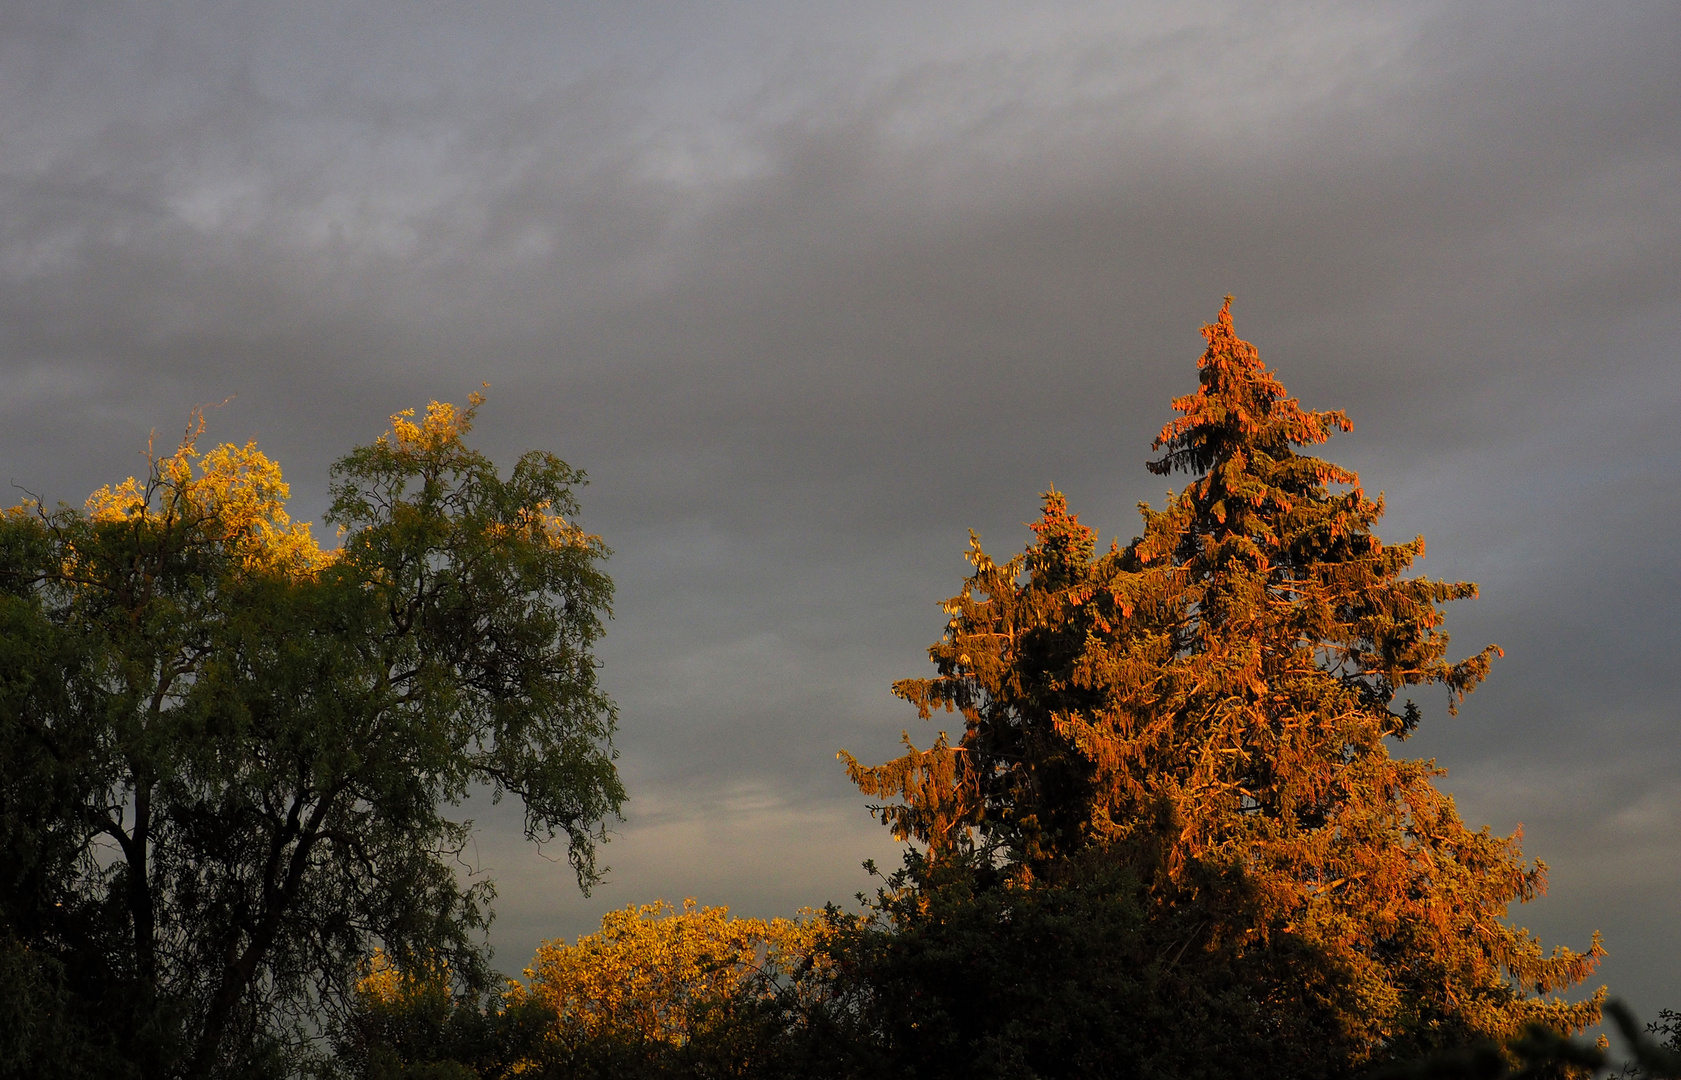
x,y
811,289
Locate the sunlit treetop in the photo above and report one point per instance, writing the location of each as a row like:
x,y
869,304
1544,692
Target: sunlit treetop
x,y
1241,404
274,737
1210,706
232,496
652,972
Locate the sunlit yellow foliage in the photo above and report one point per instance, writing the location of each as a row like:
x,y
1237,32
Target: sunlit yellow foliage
x,y
385,984
439,433
652,972
233,496
537,525
444,424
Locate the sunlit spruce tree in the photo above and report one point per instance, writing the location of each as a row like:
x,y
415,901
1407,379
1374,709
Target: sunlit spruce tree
x,y
1208,711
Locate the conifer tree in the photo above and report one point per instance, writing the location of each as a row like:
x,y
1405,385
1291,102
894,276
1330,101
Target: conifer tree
x,y
1210,708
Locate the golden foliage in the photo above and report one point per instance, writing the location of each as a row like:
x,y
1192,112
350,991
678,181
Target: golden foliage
x,y
653,973
233,497
437,438
444,425
385,984
927,780
1213,702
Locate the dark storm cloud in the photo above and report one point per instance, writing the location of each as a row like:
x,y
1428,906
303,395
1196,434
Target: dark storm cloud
x,y
809,295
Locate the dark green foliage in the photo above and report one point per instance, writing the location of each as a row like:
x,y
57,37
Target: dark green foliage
x,y
962,977
1667,1025
1542,1054
432,1033
227,757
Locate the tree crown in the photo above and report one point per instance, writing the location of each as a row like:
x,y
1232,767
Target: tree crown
x,y
244,748
1210,706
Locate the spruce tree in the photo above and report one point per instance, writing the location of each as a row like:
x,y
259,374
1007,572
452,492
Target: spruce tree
x,y
1209,709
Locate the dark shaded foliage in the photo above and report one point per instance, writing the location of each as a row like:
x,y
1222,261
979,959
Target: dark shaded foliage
x,y
964,975
1542,1054
227,757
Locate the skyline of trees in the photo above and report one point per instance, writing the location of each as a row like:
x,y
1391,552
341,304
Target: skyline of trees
x,y
1170,839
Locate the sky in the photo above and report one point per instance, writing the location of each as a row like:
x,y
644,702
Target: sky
x,y
811,289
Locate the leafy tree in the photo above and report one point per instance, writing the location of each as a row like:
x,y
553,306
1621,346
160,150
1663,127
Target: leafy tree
x,y
663,992
419,1023
228,754
1543,1054
1208,709
653,974
657,992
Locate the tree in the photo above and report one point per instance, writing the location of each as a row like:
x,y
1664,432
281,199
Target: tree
x,y
657,992
655,975
1542,1053
229,754
419,1023
1209,709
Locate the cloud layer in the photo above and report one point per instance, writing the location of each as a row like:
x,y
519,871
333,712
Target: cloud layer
x,y
811,291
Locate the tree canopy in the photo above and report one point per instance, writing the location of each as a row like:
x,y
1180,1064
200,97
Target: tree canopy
x,y
1209,710
1172,838
230,754
657,993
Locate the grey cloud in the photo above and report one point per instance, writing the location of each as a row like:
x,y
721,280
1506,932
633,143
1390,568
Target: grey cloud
x,y
810,296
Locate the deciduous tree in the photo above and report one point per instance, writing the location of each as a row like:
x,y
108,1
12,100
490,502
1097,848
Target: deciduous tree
x,y
656,993
655,975
230,755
